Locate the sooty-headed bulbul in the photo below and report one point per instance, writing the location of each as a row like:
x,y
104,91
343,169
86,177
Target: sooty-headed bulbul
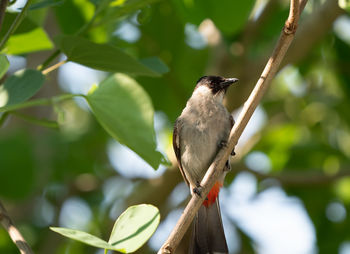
x,y
199,132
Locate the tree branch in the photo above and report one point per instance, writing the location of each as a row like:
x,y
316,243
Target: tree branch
x,y
13,232
318,23
215,169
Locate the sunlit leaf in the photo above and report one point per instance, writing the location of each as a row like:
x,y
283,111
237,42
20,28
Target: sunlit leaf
x,y
20,87
28,37
34,40
345,4
82,237
131,230
125,111
103,57
4,65
134,227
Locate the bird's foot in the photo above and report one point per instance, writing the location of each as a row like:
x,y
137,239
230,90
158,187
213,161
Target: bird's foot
x,y
227,166
222,144
198,189
233,153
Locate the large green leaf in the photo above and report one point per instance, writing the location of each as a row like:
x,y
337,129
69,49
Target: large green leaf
x,y
134,227
82,237
228,15
27,38
71,15
20,87
131,230
125,111
4,65
104,57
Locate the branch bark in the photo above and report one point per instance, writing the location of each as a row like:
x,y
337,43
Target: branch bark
x,y
250,105
13,232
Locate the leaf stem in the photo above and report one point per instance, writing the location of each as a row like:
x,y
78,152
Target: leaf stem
x,y
15,24
34,120
49,60
53,67
39,102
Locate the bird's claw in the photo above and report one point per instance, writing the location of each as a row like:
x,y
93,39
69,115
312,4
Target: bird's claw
x,y
198,189
233,153
227,166
222,143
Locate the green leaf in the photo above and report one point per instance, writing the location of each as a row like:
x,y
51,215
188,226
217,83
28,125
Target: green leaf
x,y
122,8
78,11
82,237
28,37
103,57
45,4
131,230
344,4
125,111
20,87
34,40
155,64
134,227
4,65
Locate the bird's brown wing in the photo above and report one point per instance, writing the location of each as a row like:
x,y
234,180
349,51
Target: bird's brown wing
x,y
176,146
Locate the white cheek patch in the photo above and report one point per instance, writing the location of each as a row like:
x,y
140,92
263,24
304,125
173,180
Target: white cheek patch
x,y
203,90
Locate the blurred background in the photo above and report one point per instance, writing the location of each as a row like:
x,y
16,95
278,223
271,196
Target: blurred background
x,y
289,189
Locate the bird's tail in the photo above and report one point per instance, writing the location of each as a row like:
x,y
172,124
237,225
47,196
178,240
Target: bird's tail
x,y
208,235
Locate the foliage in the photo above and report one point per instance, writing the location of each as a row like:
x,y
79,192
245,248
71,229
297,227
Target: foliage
x,y
130,231
60,164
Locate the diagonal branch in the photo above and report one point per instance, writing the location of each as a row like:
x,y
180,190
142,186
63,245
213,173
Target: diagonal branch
x,y
215,169
13,232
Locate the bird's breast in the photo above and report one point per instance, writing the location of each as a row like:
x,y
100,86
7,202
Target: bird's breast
x,y
202,131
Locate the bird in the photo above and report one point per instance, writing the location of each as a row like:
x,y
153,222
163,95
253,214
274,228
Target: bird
x,y
199,133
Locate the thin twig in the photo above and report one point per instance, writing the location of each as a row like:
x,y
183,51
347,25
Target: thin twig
x,y
53,67
3,5
215,169
39,102
13,232
15,24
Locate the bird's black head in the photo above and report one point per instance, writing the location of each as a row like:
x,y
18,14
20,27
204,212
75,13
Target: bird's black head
x,y
216,83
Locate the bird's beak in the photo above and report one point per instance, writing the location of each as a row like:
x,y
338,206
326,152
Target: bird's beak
x,y
228,81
